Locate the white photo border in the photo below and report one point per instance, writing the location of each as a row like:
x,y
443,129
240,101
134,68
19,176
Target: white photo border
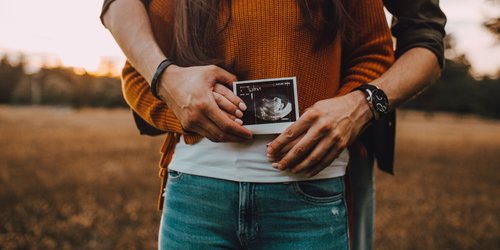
x,y
272,128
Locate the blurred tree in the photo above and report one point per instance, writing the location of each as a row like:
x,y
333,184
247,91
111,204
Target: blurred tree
x,y
10,75
458,92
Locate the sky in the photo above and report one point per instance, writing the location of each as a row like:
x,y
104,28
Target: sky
x,y
69,32
464,23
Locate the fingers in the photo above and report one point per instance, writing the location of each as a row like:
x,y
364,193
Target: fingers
x,y
215,116
203,131
234,118
277,156
229,102
230,96
208,129
300,150
227,106
325,162
293,131
290,134
314,158
218,117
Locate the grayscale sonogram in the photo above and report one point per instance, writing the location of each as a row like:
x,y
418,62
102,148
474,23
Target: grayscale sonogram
x,y
272,104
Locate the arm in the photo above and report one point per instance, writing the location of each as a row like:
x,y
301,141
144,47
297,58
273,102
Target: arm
x,y
418,26
414,70
128,22
192,105
324,130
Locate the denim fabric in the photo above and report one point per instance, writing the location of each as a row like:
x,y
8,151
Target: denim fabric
x,y
363,195
208,213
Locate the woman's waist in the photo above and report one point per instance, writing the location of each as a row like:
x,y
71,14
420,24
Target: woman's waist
x,y
241,162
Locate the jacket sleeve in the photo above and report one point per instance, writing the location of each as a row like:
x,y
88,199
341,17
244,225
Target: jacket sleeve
x,y
107,3
418,23
154,112
367,52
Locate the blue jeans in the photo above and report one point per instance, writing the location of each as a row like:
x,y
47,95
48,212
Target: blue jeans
x,y
207,213
362,185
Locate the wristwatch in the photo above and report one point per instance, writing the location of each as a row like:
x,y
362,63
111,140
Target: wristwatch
x,y
376,98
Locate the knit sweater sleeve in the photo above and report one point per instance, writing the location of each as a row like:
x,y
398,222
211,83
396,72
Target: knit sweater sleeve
x,y
368,51
138,96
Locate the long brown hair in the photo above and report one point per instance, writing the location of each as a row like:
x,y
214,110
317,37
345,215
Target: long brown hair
x,y
195,24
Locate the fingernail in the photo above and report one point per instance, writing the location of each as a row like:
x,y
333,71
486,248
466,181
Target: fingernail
x,y
238,113
276,165
270,157
238,121
242,106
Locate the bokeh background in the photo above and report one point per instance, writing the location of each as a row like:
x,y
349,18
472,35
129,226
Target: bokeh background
x,y
75,174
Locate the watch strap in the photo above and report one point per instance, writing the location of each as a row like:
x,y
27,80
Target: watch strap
x,y
370,91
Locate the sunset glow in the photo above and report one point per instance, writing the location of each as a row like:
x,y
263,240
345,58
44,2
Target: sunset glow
x,y
69,32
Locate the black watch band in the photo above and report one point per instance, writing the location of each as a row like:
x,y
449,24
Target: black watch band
x,y
376,98
156,77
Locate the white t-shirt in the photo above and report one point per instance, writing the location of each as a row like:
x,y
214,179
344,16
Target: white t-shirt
x,y
242,162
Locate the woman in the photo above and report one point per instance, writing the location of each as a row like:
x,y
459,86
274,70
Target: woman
x,y
241,193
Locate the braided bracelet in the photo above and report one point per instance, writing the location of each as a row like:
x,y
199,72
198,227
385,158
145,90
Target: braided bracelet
x,y
156,77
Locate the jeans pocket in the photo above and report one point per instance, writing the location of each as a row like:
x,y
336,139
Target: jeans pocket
x,y
174,176
320,191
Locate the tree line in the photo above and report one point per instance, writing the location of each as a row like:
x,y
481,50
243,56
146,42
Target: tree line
x,y
459,92
57,86
456,91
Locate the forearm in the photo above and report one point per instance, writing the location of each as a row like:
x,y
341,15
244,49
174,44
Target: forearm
x,y
192,104
128,22
412,72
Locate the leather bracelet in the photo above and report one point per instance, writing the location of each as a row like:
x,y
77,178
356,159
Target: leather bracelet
x,y
156,77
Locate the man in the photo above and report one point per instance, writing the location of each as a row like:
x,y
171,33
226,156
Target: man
x,y
419,28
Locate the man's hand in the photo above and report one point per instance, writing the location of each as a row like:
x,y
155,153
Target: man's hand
x,y
197,98
319,136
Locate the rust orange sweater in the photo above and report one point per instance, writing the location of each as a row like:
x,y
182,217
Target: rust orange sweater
x,y
263,40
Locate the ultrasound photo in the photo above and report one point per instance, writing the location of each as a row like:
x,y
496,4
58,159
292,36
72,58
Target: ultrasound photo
x,y
272,104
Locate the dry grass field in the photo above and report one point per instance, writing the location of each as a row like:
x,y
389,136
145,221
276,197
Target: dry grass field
x,y
85,179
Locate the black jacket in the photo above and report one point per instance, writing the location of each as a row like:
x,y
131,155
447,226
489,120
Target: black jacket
x,y
416,23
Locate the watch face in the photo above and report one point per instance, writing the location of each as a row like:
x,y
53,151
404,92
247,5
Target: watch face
x,y
380,101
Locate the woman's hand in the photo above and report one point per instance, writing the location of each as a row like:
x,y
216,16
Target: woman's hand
x,y
202,104
319,136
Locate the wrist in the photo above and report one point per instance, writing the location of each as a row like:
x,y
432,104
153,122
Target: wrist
x,y
362,111
157,77
153,61
167,83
